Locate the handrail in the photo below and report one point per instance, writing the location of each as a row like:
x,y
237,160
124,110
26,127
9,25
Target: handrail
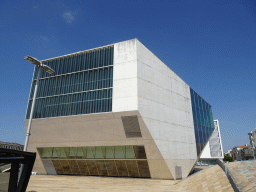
x,y
230,178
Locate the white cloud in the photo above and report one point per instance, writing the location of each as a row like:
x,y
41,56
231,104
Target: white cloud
x,y
69,16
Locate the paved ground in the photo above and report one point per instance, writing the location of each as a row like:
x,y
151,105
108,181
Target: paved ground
x,y
244,174
211,179
4,181
96,184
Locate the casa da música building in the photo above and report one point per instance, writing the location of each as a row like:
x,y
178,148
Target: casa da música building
x,y
116,110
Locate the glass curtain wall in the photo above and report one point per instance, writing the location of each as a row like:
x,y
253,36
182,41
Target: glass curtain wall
x,y
122,161
203,120
82,84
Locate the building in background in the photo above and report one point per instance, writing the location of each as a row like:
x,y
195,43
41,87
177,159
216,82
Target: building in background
x,y
116,110
230,153
213,149
13,146
252,138
247,152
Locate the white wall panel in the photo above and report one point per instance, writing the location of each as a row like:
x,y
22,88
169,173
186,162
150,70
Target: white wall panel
x,y
125,95
164,98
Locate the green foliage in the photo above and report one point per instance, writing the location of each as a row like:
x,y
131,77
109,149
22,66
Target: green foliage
x,y
228,158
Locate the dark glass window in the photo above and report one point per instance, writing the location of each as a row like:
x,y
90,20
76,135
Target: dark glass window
x,y
80,86
124,161
203,120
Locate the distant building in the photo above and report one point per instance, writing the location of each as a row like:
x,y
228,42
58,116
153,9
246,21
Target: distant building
x,y
252,138
230,153
213,149
239,153
248,152
14,146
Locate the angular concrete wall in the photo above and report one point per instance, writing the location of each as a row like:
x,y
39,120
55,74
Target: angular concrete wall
x,y
164,103
105,129
125,95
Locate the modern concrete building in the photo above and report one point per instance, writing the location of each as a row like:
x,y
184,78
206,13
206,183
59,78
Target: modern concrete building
x,y
117,110
213,149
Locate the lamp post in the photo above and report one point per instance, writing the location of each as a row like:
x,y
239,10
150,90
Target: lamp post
x,y
48,70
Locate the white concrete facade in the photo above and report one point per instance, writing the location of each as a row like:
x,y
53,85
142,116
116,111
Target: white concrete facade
x,y
141,81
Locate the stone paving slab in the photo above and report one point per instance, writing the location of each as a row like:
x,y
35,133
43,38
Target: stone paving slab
x,y
244,174
207,180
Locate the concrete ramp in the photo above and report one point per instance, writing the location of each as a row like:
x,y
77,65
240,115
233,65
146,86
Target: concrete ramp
x,y
244,174
211,179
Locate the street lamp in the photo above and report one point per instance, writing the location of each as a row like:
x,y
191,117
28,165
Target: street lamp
x,y
48,70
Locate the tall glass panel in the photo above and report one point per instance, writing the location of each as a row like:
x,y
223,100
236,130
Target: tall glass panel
x,y
65,167
110,152
143,168
57,167
74,76
102,167
132,168
92,167
111,167
203,120
122,168
84,170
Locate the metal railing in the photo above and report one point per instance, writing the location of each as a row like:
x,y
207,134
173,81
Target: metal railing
x,y
230,178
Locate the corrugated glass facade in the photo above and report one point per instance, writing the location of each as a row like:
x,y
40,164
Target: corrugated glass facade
x,y
122,161
82,84
203,120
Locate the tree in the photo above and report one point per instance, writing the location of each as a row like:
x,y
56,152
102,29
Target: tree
x,y
228,158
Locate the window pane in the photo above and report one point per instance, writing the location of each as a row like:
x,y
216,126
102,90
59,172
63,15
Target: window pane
x,y
90,152
74,167
129,152
111,166
80,154
73,152
99,154
121,168
101,167
92,167
65,167
140,152
55,154
62,153
119,152
132,168
84,170
57,166
109,152
143,168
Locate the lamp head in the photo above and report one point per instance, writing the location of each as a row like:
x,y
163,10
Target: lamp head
x,y
32,60
47,69
39,64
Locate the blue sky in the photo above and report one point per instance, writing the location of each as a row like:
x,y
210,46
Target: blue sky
x,y
211,44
